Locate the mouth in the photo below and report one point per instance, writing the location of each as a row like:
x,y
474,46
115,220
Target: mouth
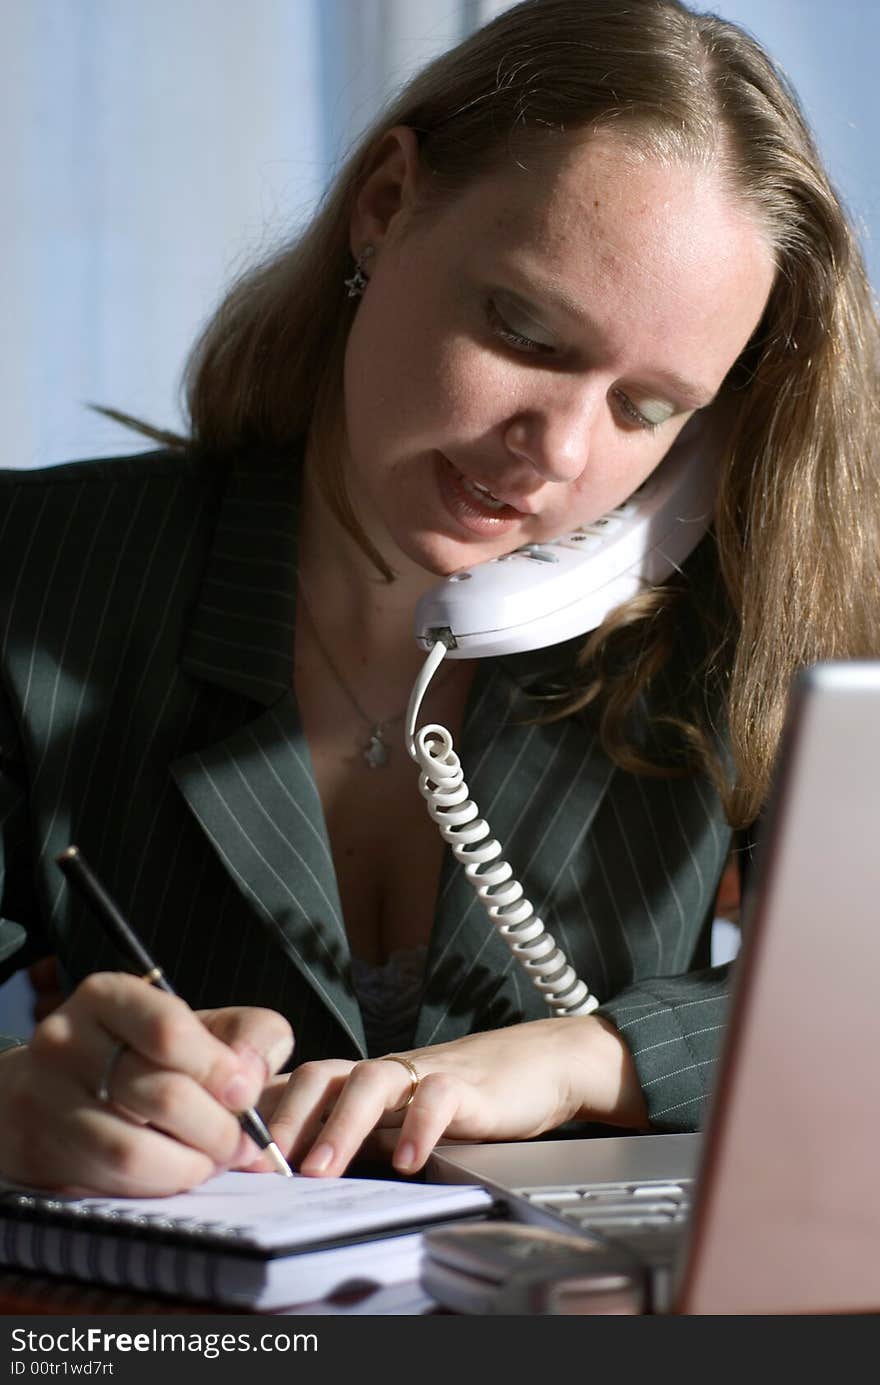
x,y
473,506
483,495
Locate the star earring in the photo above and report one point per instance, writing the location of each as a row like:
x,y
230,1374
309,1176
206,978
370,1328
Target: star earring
x,y
359,280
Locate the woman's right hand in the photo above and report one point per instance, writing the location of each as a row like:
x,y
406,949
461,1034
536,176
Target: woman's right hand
x,y
174,1091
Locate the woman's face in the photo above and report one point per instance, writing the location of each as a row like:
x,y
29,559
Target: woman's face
x,y
526,353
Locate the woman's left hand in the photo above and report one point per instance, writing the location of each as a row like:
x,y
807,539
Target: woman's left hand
x,y
505,1084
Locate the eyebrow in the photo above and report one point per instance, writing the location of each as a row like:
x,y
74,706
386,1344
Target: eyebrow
x,y
539,290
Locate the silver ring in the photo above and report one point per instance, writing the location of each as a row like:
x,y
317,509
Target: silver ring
x,y
103,1088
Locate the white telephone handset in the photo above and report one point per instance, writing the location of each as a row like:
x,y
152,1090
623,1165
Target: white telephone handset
x,y
545,593
541,595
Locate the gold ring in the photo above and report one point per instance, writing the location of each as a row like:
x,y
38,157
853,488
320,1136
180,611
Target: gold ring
x,y
103,1090
414,1077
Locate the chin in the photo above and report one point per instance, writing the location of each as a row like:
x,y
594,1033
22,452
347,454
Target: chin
x,y
439,555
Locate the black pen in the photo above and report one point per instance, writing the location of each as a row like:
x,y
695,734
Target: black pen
x,y
83,878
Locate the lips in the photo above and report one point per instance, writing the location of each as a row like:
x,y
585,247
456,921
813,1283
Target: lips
x,y
521,504
473,505
483,494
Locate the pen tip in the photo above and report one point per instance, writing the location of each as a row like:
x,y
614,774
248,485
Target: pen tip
x,y
278,1159
67,853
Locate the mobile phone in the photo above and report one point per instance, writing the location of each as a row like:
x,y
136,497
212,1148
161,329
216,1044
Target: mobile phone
x,y
500,1267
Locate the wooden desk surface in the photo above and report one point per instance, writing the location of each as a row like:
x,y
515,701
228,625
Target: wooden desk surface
x,y
24,1294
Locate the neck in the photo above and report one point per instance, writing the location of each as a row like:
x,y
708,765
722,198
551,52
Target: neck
x,y
348,596
356,655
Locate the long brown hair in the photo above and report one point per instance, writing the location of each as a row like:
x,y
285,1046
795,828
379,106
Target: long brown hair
x,y
796,544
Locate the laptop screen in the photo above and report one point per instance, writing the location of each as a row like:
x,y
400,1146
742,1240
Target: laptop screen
x,y
787,1216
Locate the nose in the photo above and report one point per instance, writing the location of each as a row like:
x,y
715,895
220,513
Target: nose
x,y
555,436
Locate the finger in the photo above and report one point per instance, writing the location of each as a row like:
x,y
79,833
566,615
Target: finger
x,y
372,1089
259,1161
58,1141
162,1029
138,1089
175,1104
118,1157
75,1041
272,1094
311,1092
250,1027
437,1103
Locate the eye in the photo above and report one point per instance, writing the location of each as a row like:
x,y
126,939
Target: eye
x,y
634,415
508,324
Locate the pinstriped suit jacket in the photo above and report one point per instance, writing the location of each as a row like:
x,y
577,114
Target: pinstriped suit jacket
x,y
147,615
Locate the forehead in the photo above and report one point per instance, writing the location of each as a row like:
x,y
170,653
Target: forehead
x,y
655,240
602,192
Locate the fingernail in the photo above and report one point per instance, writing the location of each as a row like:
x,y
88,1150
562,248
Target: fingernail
x,y
404,1156
317,1160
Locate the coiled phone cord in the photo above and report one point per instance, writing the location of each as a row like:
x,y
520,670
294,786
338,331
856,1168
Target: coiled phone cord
x,y
457,816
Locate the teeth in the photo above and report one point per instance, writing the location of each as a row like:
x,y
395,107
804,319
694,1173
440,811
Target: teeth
x,y
484,494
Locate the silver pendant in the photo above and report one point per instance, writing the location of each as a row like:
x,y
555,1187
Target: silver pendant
x,y
376,753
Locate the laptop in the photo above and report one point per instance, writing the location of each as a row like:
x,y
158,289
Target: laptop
x,y
775,1206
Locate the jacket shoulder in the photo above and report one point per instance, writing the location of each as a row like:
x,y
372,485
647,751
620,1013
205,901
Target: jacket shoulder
x,y
160,465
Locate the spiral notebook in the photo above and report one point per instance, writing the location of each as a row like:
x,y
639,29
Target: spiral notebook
x,y
246,1240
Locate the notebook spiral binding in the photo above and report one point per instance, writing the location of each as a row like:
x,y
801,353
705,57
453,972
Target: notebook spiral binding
x,y
27,1207
101,1244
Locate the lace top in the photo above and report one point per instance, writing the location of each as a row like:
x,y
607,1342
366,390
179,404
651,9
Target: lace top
x,y
389,996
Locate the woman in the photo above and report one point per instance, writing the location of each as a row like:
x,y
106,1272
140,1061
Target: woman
x,y
566,238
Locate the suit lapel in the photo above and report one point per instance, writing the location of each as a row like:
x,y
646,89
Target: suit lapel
x,y
254,792
242,630
539,788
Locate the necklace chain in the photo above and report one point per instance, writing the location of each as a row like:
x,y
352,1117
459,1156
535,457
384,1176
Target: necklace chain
x,y
377,751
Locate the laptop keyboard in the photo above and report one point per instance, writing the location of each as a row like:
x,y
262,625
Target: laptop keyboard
x,y
647,1218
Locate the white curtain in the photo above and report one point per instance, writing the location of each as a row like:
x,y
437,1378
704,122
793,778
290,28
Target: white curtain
x,y
151,148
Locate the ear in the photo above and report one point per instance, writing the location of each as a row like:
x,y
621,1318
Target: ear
x,y
388,189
